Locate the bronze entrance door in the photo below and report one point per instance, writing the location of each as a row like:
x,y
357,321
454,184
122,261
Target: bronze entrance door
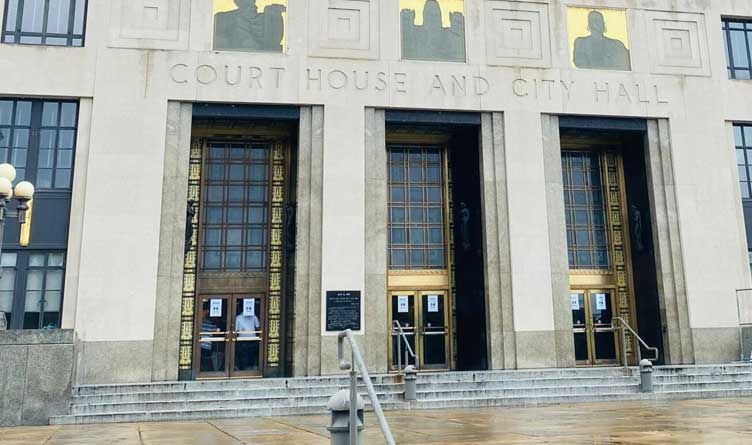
x,y
600,272
240,257
424,319
230,335
595,339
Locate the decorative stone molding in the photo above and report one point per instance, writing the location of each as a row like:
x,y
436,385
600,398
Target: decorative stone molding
x,y
344,28
517,34
150,24
680,44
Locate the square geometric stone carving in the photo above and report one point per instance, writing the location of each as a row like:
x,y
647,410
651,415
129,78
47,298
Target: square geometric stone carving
x,y
517,33
344,28
150,24
679,43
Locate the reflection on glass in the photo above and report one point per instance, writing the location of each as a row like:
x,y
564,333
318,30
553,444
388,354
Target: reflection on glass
x,y
433,30
212,336
248,331
249,25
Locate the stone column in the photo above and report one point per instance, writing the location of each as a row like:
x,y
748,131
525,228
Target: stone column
x,y
557,242
307,335
376,199
672,291
165,352
498,275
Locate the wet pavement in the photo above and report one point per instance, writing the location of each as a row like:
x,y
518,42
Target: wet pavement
x,y
718,421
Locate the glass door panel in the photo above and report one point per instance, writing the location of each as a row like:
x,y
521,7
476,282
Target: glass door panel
x,y
604,338
595,340
247,335
214,336
579,323
433,331
404,311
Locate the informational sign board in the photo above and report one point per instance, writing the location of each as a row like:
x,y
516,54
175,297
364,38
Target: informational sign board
x,y
600,302
403,304
249,307
342,310
433,303
215,307
575,301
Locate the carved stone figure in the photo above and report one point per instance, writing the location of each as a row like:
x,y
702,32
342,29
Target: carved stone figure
x,y
465,227
244,29
189,214
431,41
598,51
637,228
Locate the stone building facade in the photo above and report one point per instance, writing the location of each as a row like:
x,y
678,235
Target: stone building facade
x,y
315,103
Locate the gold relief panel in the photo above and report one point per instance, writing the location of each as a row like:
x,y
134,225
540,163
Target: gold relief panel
x,y
616,218
275,282
195,173
277,194
276,237
274,304
189,282
279,173
621,278
613,197
188,307
277,215
273,353
276,258
185,355
185,330
274,329
193,192
618,257
190,259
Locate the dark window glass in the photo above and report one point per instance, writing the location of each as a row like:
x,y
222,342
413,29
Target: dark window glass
x,y
585,211
738,38
743,143
416,208
43,296
235,211
45,22
46,161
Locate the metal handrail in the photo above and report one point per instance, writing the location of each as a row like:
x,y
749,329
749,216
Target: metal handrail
x,y
400,337
623,327
357,359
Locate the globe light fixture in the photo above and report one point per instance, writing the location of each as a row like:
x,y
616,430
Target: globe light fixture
x,y
23,193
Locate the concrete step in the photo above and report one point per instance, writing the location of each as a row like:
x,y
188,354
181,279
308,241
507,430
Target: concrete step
x,y
251,392
308,395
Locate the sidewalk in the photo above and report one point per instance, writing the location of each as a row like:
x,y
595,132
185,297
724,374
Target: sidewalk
x,y
719,421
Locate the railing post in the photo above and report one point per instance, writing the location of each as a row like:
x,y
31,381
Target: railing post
x,y
623,344
353,404
399,353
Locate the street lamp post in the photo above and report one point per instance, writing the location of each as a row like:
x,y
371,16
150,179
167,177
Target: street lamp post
x,y
24,192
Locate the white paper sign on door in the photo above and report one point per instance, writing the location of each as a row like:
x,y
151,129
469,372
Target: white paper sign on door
x,y
600,302
433,303
249,307
575,301
215,307
403,305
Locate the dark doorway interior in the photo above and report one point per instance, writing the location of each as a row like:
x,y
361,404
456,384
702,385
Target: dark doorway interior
x,y
641,238
468,250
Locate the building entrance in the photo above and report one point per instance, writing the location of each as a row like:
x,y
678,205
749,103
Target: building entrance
x,y
594,336
231,337
435,254
241,247
424,318
599,248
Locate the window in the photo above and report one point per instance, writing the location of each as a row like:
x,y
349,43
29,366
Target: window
x,y
585,211
31,289
45,22
46,160
416,208
236,207
738,37
743,142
